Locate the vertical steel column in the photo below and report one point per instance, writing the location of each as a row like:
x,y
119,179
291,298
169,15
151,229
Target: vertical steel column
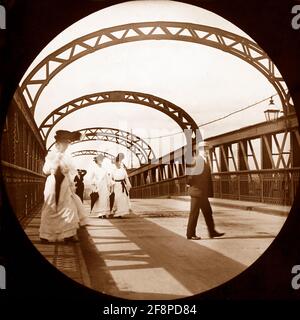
x,y
224,168
243,165
267,163
295,161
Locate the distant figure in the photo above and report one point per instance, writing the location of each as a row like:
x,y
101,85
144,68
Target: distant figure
x,y
121,188
62,212
101,184
79,183
200,189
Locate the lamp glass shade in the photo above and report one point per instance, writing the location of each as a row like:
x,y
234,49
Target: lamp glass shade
x,y
271,114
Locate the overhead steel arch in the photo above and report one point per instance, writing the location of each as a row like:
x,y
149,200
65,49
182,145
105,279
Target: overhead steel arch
x,y
239,46
181,117
135,144
92,152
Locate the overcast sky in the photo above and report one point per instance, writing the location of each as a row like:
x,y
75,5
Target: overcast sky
x,y
206,82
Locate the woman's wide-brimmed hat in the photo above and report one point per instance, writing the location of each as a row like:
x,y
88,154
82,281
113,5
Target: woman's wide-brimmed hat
x,y
99,157
67,136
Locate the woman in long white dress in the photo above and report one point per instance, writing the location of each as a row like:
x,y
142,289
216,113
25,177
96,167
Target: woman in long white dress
x,y
101,183
62,211
121,188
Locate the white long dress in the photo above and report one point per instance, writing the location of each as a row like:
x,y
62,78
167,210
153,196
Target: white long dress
x,y
101,182
121,189
61,220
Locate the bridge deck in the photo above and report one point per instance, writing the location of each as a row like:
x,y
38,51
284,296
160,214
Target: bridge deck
x,y
147,256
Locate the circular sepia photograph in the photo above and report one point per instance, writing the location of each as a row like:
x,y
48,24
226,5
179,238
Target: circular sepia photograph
x,y
151,151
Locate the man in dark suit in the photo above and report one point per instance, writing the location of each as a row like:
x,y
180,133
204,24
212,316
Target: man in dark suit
x,y
200,182
79,184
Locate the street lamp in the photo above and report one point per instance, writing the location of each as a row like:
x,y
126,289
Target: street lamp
x,y
271,113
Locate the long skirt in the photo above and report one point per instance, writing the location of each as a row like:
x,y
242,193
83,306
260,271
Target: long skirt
x,y
82,214
122,203
101,206
61,220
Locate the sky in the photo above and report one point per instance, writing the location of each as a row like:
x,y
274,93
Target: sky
x,y
205,82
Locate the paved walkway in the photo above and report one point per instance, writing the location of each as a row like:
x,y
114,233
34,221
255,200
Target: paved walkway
x,y
66,257
147,256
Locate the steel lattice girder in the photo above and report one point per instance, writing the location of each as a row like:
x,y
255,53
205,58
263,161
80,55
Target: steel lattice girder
x,y
182,118
239,46
92,152
135,144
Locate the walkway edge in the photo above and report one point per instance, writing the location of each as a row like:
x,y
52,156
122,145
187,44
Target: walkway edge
x,y
257,207
83,268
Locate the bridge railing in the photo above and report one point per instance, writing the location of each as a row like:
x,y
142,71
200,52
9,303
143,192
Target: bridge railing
x,y
23,187
269,186
22,157
171,187
260,163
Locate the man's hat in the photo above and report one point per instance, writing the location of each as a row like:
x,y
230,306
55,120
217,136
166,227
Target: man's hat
x,y
65,135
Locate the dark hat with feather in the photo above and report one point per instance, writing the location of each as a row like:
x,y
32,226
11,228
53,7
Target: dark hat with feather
x,y
67,136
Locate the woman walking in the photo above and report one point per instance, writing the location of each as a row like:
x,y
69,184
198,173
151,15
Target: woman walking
x,y
79,183
101,184
62,211
122,187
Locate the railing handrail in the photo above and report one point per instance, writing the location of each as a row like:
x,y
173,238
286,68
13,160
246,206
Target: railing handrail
x,y
223,173
256,171
25,170
159,182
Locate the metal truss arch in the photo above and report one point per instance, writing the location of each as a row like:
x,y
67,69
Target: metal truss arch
x,y
239,46
135,144
181,117
93,152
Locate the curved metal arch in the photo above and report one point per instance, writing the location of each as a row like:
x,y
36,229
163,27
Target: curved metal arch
x,y
135,144
239,46
92,152
181,117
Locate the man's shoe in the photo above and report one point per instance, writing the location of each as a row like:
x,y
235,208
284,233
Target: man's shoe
x,y
216,234
194,238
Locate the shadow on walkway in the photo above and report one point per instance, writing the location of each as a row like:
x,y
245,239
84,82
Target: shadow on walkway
x,y
135,258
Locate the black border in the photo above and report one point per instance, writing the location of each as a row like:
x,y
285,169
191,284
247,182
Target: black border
x,y
31,25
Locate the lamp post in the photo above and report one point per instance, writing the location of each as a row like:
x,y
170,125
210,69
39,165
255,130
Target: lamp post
x,y
271,113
